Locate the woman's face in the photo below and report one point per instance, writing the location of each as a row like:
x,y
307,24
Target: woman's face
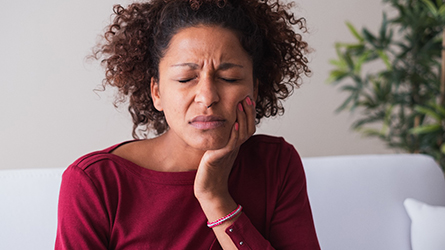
x,y
203,76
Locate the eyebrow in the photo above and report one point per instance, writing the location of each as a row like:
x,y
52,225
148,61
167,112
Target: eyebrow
x,y
190,65
223,66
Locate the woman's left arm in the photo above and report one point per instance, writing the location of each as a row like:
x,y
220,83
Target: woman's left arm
x,y
211,182
292,225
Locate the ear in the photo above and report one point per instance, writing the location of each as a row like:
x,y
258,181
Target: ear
x,y
156,94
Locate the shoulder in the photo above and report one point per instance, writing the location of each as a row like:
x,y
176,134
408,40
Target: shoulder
x,y
266,139
261,143
97,165
97,173
103,156
270,160
270,152
86,161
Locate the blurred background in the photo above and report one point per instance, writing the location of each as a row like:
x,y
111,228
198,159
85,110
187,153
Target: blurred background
x,y
50,114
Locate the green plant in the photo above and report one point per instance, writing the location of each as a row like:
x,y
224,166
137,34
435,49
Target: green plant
x,y
393,78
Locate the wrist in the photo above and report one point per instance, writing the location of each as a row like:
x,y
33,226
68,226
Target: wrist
x,y
212,195
217,207
232,215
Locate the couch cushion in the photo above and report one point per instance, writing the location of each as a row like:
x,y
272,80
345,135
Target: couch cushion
x,y
428,225
357,201
28,210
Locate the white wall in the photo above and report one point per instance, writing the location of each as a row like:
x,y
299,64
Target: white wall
x,y
310,121
50,114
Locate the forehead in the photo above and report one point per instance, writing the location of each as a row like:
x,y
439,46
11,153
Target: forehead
x,y
206,43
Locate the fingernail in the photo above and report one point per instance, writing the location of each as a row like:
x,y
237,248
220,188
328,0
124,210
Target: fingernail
x,y
236,126
240,107
249,101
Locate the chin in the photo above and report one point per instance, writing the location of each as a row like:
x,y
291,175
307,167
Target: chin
x,y
205,143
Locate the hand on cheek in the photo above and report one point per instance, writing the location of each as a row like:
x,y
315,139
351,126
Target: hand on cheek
x,y
211,181
215,166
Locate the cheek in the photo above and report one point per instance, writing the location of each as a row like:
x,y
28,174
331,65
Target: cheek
x,y
173,108
242,93
175,99
238,96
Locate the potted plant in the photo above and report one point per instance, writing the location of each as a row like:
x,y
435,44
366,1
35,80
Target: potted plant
x,y
396,79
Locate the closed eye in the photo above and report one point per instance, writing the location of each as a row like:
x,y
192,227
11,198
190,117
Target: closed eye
x,y
186,80
230,80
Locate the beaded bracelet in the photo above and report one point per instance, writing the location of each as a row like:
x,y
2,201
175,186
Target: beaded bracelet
x,y
225,218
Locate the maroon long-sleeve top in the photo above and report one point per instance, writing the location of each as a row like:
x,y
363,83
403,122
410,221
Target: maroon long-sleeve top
x,y
107,202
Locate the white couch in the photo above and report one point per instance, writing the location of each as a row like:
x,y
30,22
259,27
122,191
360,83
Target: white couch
x,y
357,201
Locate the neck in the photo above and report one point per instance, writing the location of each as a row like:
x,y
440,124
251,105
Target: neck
x,y
177,156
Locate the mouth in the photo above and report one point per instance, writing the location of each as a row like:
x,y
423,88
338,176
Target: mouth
x,y
206,122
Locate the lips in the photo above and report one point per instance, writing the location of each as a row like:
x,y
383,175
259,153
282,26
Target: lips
x,y
205,122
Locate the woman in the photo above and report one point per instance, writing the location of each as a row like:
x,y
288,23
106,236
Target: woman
x,y
200,74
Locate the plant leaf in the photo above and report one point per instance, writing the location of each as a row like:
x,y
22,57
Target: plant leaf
x,y
345,104
354,32
372,132
337,75
442,11
428,112
425,129
384,58
431,7
369,37
338,63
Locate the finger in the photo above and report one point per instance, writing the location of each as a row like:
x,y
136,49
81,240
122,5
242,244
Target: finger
x,y
234,137
242,120
249,107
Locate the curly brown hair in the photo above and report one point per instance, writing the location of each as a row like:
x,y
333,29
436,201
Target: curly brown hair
x,y
137,38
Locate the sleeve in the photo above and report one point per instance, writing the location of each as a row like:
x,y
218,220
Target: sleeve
x,y
82,218
292,225
245,236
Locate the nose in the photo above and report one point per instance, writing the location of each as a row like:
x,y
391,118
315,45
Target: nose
x,y
206,92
